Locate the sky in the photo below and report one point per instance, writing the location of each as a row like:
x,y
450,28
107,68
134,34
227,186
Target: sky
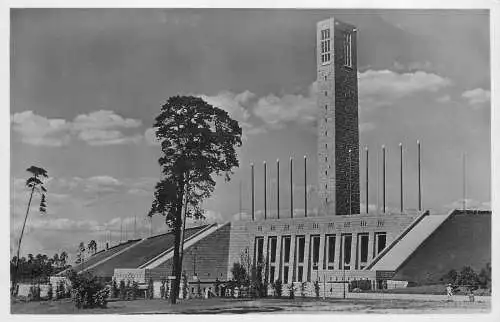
x,y
86,85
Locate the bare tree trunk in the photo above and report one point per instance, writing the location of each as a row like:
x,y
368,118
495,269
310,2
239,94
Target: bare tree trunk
x,y
177,260
14,279
176,267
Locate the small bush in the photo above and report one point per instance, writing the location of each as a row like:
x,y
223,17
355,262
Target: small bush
x,y
162,289
217,286
87,291
34,293
135,290
115,292
303,289
316,288
122,290
278,287
60,290
166,290
150,292
128,291
363,285
50,292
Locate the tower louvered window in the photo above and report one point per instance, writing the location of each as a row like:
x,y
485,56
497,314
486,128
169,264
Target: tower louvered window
x,y
325,45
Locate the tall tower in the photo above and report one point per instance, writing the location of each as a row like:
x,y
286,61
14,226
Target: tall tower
x,y
337,82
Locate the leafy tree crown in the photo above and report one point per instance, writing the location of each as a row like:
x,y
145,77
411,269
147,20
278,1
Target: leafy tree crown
x,y
198,141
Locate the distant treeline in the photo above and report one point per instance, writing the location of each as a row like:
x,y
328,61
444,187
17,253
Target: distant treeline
x,y
38,268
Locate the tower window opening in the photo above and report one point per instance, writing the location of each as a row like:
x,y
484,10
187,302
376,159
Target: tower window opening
x,y
348,49
325,46
326,93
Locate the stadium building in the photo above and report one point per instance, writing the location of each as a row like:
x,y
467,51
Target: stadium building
x,y
342,243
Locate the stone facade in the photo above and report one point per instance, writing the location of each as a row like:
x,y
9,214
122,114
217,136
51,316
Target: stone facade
x,y
338,170
365,233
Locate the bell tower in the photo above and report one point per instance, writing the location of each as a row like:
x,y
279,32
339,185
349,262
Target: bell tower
x,y
338,132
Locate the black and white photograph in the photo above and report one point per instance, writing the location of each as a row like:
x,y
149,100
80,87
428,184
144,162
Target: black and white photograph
x,y
255,161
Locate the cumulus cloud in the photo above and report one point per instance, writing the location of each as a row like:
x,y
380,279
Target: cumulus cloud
x,y
238,106
107,137
376,88
103,119
477,97
384,87
412,66
38,130
96,128
234,104
276,111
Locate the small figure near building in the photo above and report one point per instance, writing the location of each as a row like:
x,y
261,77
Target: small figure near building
x,y
449,292
471,295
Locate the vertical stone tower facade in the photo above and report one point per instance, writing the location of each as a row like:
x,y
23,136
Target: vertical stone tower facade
x,y
338,132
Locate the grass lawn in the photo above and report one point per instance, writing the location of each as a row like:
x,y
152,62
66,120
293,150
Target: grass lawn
x,y
437,289
238,306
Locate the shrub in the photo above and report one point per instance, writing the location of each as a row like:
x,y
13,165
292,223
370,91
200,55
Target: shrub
x,y
34,293
150,291
166,290
50,292
303,289
128,291
278,287
240,275
468,277
484,277
217,286
451,277
87,291
162,289
257,285
114,289
122,290
135,290
60,290
363,285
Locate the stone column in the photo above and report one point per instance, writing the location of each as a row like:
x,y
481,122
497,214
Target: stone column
x,y
322,244
354,248
338,255
293,265
306,258
371,241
